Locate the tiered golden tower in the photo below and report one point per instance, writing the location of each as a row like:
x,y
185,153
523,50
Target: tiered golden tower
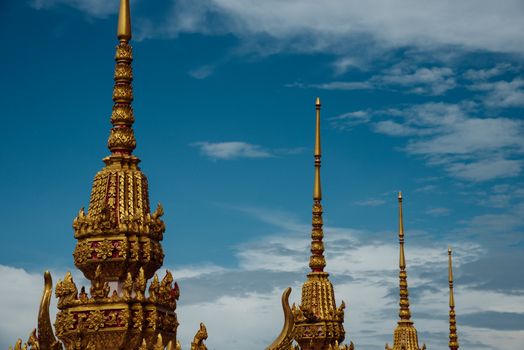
x,y
405,336
118,250
317,323
453,338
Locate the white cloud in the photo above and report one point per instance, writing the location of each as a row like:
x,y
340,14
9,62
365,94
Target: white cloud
x,y
231,150
484,74
472,25
420,81
502,93
335,85
202,72
371,202
430,81
351,119
468,147
486,169
363,269
438,211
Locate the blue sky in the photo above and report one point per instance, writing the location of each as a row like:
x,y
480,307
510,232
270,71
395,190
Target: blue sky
x,y
424,98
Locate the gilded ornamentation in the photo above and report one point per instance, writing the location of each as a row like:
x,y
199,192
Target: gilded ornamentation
x,y
198,340
405,335
154,289
453,337
99,287
317,323
95,320
140,285
66,291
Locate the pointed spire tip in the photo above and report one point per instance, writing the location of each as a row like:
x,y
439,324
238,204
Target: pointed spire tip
x,y
124,21
317,103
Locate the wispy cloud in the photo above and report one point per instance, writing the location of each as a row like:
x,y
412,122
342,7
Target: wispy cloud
x,y
351,119
487,73
424,80
468,147
335,85
338,27
371,202
202,72
231,150
421,81
502,93
363,269
437,212
335,26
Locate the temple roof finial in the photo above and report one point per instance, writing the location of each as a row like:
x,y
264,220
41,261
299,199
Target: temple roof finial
x,y
122,140
404,312
317,189
453,338
317,262
124,21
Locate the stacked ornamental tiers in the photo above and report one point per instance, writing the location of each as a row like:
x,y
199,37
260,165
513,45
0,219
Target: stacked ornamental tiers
x,y
118,250
405,335
119,244
317,324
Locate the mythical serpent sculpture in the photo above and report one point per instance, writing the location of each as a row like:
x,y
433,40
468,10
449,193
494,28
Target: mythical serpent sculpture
x,y
285,338
200,336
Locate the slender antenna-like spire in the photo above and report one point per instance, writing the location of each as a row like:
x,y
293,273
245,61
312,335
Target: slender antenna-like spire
x,y
124,21
404,313
122,138
453,338
317,262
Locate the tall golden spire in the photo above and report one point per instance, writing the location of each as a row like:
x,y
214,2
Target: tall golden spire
x,y
122,138
453,338
317,262
405,336
124,21
404,313
318,321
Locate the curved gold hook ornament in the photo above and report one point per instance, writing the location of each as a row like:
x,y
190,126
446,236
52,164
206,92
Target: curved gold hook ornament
x,y
46,335
285,338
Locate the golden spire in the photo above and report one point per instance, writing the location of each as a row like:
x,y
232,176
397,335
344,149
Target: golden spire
x,y
405,336
317,309
453,338
124,21
404,313
317,262
122,139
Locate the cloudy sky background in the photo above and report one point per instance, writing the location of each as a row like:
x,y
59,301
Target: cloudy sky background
x,y
427,98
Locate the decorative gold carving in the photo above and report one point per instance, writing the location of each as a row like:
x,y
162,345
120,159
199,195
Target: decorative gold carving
x,y
405,335
66,291
285,338
99,287
140,285
198,340
453,337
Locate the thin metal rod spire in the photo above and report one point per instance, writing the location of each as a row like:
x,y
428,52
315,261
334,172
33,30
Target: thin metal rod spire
x,y
124,21
453,338
317,262
404,313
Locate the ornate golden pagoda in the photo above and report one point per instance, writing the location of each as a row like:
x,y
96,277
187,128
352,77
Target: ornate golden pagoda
x,y
118,250
317,323
453,338
405,336
128,306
